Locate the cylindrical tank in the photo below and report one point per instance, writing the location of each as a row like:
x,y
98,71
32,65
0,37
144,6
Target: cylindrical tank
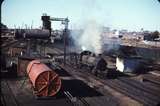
x,y
32,33
44,80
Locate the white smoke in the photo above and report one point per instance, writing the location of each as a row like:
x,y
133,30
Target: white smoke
x,y
83,48
91,37
88,34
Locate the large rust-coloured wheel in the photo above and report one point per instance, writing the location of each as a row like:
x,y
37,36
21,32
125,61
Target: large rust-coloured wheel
x,y
47,84
45,81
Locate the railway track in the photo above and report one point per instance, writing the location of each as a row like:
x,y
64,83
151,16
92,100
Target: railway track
x,y
133,92
152,78
3,102
8,96
15,42
138,91
76,101
150,89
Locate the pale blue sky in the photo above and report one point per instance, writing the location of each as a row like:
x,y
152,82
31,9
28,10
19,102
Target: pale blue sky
x,y
119,14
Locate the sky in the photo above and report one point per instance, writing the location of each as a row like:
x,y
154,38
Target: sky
x,y
116,14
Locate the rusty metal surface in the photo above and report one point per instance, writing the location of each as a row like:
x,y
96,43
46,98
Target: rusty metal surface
x,y
44,80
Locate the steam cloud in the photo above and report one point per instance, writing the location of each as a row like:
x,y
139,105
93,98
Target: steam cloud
x,y
91,37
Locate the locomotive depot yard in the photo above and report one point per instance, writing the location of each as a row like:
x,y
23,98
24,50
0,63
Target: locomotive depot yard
x,y
48,67
79,86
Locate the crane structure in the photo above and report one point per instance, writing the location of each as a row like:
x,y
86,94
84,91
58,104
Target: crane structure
x,y
47,25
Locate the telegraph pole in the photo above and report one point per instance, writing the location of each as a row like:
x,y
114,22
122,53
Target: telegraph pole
x,y
1,1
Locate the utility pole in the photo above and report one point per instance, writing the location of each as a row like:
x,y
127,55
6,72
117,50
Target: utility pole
x,y
1,1
65,36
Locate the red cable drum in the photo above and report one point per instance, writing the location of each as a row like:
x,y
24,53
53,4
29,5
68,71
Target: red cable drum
x,y
44,80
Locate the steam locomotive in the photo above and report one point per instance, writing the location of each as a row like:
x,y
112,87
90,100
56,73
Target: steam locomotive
x,y
96,64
